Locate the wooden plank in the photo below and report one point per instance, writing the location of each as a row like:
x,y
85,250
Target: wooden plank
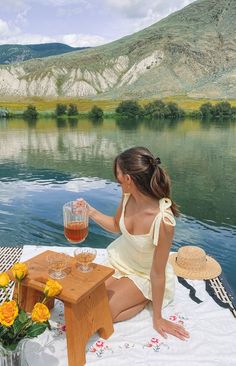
x,y
76,285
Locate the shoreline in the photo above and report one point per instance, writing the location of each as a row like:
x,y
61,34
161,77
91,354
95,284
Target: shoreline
x,y
46,106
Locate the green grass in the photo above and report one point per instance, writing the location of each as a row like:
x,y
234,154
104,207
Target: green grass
x,y
46,106
49,105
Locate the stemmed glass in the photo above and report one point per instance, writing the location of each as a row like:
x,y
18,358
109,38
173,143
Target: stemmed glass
x,y
75,222
57,264
84,257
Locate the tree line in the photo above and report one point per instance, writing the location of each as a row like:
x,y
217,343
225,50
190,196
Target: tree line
x,y
160,110
153,110
131,109
62,110
219,110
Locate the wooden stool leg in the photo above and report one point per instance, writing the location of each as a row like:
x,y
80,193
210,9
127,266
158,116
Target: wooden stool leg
x,y
76,335
102,312
29,297
83,320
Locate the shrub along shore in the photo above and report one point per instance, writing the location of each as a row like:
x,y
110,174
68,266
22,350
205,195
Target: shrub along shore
x,y
175,107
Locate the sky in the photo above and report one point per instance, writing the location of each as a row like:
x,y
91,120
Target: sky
x,y
79,23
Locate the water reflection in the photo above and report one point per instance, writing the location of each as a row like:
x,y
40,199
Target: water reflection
x,y
3,122
61,122
31,123
73,122
128,124
96,122
161,124
223,123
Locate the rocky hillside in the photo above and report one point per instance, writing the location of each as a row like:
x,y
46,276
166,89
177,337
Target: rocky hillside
x,y
192,51
12,53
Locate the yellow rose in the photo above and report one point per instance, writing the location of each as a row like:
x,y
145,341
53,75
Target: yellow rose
x,y
52,288
8,313
19,270
4,279
40,313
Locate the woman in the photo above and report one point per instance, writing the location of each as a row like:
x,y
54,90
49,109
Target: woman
x,y
145,218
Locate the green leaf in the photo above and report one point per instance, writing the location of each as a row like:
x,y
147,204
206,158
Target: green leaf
x,y
16,325
36,329
3,330
23,316
11,346
48,325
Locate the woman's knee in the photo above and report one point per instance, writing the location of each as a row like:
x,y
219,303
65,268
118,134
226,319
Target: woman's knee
x,y
129,313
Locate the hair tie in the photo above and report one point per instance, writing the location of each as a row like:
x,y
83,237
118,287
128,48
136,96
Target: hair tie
x,y
153,162
156,162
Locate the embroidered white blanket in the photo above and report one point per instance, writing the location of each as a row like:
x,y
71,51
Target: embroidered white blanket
x,y
134,342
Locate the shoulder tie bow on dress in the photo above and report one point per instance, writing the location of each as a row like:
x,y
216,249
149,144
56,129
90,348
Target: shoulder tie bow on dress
x,y
166,215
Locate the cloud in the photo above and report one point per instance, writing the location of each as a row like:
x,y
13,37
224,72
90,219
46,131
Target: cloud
x,y
21,17
73,40
58,3
27,39
83,40
7,29
11,34
14,5
4,28
144,13
141,9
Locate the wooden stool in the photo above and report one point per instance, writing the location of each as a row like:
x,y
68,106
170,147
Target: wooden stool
x,y
85,302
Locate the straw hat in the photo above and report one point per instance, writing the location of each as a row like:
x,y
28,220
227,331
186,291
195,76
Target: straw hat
x,y
192,263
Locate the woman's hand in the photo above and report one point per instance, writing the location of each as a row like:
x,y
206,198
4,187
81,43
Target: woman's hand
x,y
163,326
80,202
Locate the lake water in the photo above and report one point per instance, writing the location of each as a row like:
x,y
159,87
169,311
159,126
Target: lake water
x,y
47,163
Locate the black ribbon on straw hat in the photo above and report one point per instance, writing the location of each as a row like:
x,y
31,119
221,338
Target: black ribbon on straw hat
x,y
192,263
192,291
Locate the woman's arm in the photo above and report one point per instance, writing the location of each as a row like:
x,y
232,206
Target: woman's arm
x,y
109,223
157,276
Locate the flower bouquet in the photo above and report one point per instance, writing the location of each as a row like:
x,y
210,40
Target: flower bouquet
x,y
16,325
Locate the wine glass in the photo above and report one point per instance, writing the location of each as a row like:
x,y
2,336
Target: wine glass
x,y
57,264
75,222
84,257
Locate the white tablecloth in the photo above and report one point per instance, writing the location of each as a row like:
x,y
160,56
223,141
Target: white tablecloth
x,y
134,342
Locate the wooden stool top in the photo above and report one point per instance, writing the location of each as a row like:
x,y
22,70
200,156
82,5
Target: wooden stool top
x,y
76,285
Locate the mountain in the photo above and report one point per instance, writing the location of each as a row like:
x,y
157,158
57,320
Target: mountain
x,y
191,52
11,53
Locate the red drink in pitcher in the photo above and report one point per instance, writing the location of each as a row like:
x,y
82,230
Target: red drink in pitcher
x,y
76,231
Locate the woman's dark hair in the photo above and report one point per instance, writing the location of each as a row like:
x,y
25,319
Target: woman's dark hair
x,y
146,173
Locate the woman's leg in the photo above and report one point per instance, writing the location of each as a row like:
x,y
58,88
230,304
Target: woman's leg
x,y
125,299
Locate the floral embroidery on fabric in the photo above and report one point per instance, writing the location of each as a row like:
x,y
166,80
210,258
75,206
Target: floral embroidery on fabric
x,y
126,345
100,348
155,344
173,318
178,318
